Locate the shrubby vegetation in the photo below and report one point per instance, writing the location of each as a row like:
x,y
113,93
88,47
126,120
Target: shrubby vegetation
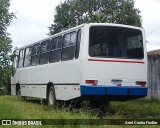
x,y
74,12
5,42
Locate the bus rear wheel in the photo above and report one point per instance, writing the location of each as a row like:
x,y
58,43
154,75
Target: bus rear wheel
x,y
19,94
101,105
20,97
51,97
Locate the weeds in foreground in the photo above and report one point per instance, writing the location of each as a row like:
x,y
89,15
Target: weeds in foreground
x,y
12,108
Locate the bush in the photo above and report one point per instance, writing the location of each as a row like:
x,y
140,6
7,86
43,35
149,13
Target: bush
x,y
4,90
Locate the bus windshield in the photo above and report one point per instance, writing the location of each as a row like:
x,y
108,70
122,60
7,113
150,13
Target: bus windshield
x,y
115,42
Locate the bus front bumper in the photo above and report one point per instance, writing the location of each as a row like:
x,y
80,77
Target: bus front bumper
x,y
114,92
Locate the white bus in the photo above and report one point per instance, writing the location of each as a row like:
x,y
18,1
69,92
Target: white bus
x,y
96,61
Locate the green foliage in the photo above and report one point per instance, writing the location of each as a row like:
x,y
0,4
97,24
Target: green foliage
x,y
75,12
5,74
5,90
5,41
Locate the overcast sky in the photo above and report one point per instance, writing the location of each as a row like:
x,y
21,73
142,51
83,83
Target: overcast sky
x,y
34,16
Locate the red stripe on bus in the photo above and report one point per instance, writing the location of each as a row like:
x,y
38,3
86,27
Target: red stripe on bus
x,y
122,61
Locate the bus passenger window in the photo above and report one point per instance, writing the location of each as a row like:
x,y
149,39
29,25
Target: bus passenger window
x,y
55,54
35,54
45,49
21,58
69,46
78,44
27,56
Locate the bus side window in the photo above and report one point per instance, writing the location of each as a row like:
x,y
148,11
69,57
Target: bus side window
x,y
78,43
69,43
14,64
21,58
35,54
55,54
27,56
45,50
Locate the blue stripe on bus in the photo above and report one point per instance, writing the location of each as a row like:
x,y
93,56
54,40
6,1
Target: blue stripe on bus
x,y
113,90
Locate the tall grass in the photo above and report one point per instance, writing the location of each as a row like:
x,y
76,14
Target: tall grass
x,y
12,108
136,109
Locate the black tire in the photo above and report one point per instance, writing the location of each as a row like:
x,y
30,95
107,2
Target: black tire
x,y
43,101
102,106
51,97
19,94
20,97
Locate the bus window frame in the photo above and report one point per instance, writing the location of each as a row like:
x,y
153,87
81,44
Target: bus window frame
x,y
46,52
75,31
30,56
60,37
108,56
38,54
78,43
19,58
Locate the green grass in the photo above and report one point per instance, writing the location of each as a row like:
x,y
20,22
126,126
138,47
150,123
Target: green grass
x,y
136,109
12,108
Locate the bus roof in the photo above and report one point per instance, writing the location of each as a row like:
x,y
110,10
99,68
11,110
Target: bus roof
x,y
79,26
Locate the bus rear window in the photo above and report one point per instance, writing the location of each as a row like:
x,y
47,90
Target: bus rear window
x,y
115,42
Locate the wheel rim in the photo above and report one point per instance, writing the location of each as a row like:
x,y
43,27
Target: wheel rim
x,y
51,98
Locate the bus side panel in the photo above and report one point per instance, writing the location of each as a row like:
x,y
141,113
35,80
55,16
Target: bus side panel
x,y
33,77
64,72
67,92
34,90
19,74
42,74
26,75
13,79
13,85
24,90
42,91
13,89
67,75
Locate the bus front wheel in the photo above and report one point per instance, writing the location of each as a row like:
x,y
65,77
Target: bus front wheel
x,y
51,97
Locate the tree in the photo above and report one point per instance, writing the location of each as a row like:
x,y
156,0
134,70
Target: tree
x,y
75,12
5,41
